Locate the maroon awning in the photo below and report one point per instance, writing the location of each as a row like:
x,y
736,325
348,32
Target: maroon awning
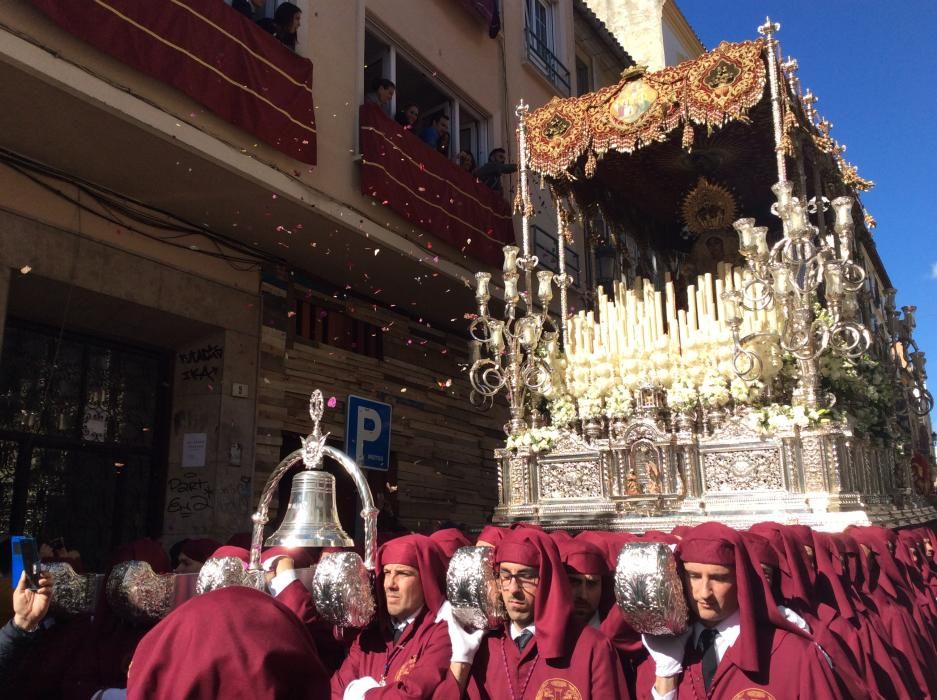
x,y
213,54
424,187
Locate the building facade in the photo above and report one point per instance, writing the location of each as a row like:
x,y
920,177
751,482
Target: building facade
x,y
198,227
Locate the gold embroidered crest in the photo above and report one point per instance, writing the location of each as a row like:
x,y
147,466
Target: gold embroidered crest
x,y
753,694
404,670
557,689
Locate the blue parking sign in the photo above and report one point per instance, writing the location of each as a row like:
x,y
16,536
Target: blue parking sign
x,y
367,432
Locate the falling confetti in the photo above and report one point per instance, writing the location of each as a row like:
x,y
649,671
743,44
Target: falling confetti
x,y
332,402
403,390
25,269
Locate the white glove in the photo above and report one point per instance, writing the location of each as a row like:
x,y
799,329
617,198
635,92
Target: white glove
x,y
465,644
358,687
794,618
667,652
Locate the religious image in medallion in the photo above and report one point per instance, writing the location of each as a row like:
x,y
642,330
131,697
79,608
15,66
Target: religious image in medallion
x,y
558,689
633,102
753,694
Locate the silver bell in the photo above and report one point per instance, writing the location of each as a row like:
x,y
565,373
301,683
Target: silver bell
x,y
311,518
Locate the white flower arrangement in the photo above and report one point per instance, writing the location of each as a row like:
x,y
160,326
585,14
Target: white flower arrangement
x,y
534,440
590,405
714,392
562,410
682,396
744,392
780,417
620,403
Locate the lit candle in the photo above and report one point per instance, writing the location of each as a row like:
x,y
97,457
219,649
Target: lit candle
x,y
510,288
782,280
842,209
481,289
744,228
545,287
475,348
784,192
496,337
760,239
833,276
510,258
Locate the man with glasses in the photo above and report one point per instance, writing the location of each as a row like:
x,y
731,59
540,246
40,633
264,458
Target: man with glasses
x,y
540,651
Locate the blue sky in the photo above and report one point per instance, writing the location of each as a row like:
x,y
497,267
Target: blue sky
x,y
873,66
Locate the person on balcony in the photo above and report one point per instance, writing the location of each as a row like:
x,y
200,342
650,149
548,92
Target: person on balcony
x,y
381,94
490,173
284,25
254,10
466,161
408,116
433,132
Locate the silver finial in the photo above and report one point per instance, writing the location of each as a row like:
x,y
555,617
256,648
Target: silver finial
x,y
312,445
769,28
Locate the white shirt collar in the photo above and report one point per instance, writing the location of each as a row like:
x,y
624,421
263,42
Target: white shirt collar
x,y
729,630
596,621
515,632
401,624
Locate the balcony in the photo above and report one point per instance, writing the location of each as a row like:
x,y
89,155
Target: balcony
x,y
402,173
546,248
212,54
540,55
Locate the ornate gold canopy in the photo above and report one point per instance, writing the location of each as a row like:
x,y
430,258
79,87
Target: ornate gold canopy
x,y
719,87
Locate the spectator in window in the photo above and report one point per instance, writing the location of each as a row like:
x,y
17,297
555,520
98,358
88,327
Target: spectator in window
x,y
490,173
438,125
284,25
466,161
382,93
254,10
442,144
408,116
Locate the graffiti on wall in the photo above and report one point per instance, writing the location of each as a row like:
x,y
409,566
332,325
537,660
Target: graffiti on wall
x,y
201,364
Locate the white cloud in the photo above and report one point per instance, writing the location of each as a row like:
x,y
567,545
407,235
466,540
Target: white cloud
x,y
933,271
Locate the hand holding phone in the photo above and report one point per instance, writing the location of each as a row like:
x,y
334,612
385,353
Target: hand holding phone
x,y
31,606
25,560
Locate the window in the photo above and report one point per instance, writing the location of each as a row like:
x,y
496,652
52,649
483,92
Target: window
x,y
541,44
546,248
329,326
416,85
583,77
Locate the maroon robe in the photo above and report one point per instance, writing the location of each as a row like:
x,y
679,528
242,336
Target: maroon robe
x,y
416,665
235,642
590,672
412,668
790,667
771,657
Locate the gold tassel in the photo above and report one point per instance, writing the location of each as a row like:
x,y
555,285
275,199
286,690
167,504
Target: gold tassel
x,y
590,164
688,136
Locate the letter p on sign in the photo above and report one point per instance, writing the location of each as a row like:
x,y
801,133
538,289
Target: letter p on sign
x,y
367,432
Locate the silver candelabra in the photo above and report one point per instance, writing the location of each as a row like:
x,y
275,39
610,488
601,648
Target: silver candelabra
x,y
512,354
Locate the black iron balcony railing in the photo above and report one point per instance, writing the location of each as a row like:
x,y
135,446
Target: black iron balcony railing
x,y
541,56
546,248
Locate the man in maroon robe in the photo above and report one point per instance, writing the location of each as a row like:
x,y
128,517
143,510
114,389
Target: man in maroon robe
x,y
592,583
405,653
738,645
450,540
539,652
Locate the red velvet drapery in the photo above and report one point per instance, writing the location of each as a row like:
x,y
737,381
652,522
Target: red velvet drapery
x,y
423,186
213,54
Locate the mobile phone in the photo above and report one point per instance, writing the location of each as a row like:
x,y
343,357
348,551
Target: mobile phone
x,y
25,559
